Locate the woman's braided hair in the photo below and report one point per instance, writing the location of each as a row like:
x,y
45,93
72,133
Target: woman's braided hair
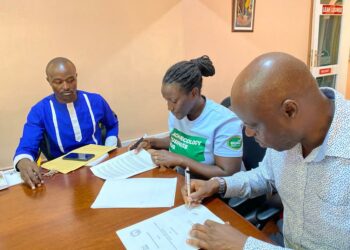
x,y
188,74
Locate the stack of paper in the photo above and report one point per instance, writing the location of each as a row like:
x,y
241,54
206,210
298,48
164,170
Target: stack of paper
x,y
124,165
137,192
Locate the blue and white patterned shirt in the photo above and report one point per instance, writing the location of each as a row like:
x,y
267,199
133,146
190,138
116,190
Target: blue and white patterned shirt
x,y
315,190
68,125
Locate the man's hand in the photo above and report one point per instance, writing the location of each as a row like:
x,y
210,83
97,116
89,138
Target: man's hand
x,y
30,173
199,190
164,158
213,235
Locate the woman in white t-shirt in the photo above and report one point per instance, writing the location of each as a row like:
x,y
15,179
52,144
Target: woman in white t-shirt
x,y
204,136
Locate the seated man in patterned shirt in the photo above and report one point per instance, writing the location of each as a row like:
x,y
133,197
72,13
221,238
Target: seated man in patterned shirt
x,y
69,117
306,131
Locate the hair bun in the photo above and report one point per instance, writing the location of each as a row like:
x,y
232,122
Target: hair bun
x,y
205,65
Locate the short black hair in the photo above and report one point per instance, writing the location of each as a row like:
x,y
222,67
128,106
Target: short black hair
x,y
188,74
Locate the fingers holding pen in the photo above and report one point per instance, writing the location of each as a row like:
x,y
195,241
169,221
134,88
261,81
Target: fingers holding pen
x,y
142,143
145,144
197,193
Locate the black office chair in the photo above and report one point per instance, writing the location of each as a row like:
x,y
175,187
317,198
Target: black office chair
x,y
44,148
261,209
104,135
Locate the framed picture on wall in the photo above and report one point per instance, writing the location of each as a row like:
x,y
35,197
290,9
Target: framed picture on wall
x,y
243,15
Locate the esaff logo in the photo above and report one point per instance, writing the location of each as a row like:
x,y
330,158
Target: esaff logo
x,y
235,142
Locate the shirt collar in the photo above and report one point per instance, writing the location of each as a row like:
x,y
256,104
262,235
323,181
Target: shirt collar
x,y
54,99
337,139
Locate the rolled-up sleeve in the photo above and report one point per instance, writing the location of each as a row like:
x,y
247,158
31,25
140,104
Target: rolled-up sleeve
x,y
252,183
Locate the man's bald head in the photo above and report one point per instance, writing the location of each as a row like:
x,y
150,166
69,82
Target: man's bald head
x,y
273,77
276,97
58,63
62,76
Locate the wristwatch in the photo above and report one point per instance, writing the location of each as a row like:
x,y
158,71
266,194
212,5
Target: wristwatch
x,y
222,184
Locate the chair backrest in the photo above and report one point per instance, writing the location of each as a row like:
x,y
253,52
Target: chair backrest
x,y
226,102
252,152
44,148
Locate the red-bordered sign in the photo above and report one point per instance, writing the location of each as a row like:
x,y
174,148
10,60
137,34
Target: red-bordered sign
x,y
325,71
328,9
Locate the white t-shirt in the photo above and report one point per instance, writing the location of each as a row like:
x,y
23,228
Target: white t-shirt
x,y
217,131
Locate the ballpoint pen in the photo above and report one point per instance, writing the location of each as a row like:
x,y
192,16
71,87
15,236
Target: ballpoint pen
x,y
137,143
188,183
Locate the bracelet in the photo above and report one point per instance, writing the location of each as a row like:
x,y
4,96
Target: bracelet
x,y
222,184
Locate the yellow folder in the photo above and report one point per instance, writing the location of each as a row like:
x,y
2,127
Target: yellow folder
x,y
66,166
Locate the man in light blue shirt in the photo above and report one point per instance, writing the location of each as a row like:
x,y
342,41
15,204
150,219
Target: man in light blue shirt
x,y
307,133
69,117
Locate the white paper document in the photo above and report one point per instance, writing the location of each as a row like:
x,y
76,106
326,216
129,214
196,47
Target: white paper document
x,y
136,193
3,182
124,166
168,230
12,177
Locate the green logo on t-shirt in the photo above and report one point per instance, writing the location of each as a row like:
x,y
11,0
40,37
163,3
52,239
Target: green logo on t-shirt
x,y
187,145
235,142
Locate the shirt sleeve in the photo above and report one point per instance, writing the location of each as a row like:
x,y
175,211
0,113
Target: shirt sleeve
x,y
110,120
31,137
253,183
255,244
171,122
228,139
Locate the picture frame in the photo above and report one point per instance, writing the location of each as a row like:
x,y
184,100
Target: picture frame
x,y
243,12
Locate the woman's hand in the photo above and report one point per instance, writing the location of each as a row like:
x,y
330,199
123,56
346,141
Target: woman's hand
x,y
164,158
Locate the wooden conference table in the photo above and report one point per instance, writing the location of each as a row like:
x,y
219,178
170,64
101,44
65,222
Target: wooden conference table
x,y
58,214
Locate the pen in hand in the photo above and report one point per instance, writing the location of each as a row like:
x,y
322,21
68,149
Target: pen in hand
x,y
137,143
188,183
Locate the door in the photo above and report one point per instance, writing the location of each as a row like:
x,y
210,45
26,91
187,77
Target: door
x,y
326,28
